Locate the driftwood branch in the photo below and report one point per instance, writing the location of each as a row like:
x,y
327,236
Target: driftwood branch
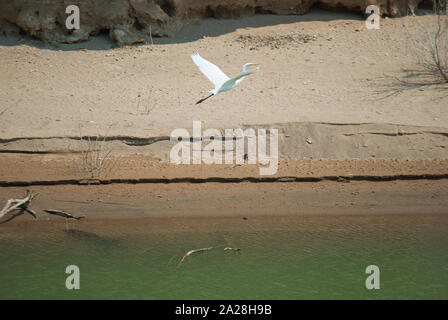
x,y
31,212
189,253
232,249
19,204
22,205
193,252
63,214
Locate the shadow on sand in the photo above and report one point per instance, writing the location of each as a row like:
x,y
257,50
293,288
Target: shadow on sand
x,y
209,27
91,238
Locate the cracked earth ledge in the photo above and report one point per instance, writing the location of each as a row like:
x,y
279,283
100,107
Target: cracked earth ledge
x,y
309,152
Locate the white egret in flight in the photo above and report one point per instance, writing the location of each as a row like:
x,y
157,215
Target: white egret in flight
x,y
218,78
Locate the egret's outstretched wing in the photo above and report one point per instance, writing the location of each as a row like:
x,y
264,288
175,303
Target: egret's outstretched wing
x,y
212,72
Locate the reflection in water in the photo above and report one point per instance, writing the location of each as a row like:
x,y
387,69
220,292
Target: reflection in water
x,y
91,238
291,258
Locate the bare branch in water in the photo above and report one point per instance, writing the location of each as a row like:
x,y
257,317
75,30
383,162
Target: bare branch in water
x,y
189,253
232,249
63,214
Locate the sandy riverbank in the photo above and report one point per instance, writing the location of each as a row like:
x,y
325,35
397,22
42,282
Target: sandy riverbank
x,y
324,83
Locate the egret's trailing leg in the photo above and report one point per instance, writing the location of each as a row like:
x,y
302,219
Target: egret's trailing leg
x,y
202,100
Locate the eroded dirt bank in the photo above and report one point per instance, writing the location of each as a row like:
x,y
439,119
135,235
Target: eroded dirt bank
x,y
130,21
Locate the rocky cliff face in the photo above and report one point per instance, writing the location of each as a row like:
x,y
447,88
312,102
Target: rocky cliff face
x,y
132,21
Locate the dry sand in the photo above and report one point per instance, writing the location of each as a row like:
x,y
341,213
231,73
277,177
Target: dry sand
x,y
150,90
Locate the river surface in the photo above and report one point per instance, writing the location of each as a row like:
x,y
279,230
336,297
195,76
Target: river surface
x,y
309,257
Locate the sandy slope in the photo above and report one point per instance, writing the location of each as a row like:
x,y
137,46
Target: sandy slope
x,y
149,90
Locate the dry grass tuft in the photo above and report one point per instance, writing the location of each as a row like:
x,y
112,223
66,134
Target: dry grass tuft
x,y
95,160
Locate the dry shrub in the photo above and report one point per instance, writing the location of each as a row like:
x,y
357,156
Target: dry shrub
x,y
429,48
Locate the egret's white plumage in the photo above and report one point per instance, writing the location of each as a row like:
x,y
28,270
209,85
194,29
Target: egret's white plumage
x,y
211,71
219,79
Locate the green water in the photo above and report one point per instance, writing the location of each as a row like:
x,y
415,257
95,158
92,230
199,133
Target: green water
x,y
293,258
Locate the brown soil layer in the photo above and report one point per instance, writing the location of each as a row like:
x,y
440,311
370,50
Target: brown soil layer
x,y
301,187
131,21
215,200
62,169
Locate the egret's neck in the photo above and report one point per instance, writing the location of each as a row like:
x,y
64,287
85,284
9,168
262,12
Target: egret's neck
x,y
246,72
